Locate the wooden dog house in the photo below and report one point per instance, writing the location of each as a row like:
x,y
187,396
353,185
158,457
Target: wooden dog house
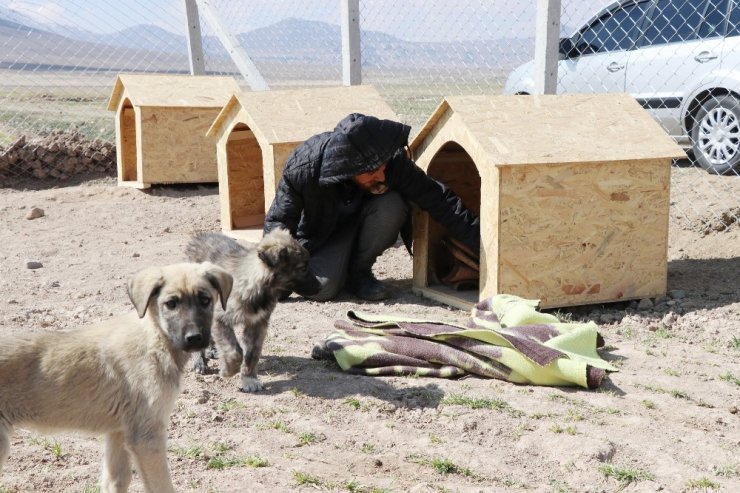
x,y
161,124
572,193
257,131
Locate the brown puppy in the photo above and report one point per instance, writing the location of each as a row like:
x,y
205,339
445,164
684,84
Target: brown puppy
x,y
278,263
120,377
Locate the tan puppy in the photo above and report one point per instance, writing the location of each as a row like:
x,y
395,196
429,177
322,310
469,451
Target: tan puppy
x,y
121,377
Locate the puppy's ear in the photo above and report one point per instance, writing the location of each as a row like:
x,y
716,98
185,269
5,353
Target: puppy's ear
x,y
219,279
143,286
270,255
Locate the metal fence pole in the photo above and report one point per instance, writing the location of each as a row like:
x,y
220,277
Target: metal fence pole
x,y
351,57
547,37
195,42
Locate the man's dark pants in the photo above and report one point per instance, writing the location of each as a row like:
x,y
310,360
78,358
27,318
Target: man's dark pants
x,y
353,248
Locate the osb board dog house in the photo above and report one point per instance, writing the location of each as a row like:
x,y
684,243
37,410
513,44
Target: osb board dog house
x,y
572,193
161,124
257,131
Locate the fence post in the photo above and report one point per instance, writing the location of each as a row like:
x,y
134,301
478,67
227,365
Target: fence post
x,y
351,54
547,38
242,61
195,42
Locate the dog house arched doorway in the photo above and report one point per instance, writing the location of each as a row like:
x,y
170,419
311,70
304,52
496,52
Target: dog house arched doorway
x,y
452,166
128,149
245,181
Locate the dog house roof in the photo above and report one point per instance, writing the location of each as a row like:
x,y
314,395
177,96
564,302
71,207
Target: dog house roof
x,y
550,129
173,90
290,116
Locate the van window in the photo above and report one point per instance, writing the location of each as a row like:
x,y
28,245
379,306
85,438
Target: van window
x,y
674,20
714,19
613,31
733,24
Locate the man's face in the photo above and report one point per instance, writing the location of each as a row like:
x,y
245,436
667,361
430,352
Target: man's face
x,y
372,181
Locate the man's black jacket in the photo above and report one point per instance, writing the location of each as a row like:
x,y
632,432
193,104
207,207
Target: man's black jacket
x,y
318,173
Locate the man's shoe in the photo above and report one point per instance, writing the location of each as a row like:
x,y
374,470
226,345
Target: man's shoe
x,y
365,286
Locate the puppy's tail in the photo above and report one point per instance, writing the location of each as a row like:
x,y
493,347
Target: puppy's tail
x,y
213,247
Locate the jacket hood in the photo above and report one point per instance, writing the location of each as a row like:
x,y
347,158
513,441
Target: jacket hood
x,y
361,143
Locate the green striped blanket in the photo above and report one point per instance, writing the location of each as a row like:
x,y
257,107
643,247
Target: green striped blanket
x,y
505,338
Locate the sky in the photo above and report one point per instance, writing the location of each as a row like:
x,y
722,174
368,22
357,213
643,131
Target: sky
x,y
413,20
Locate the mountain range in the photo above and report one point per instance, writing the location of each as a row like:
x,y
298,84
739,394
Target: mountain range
x,y
297,41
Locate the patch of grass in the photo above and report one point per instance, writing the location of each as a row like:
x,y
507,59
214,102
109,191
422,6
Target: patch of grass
x,y
230,405
368,448
85,489
355,487
727,470
436,439
625,474
222,462
702,484
729,377
308,438
303,479
280,426
679,394
473,403
648,404
560,487
442,466
257,461
353,402
192,452
735,343
671,372
663,333
570,430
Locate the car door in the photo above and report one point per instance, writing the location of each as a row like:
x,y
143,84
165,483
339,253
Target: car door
x,y
681,47
598,61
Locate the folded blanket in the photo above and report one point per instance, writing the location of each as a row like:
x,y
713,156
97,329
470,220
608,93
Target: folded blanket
x,y
505,338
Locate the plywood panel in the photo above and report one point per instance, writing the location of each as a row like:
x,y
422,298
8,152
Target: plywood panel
x,y
174,145
295,115
173,90
585,233
550,129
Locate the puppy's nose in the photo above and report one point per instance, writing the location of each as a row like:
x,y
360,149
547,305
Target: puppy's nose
x,y
195,339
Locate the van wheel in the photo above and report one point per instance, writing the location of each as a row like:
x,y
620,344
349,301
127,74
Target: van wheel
x,y
716,135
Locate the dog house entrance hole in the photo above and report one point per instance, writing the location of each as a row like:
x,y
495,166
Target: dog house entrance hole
x,y
246,183
128,142
454,167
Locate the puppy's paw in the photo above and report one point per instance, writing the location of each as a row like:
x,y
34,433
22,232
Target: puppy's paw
x,y
251,384
200,366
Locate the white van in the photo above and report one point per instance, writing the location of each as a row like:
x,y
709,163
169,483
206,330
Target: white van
x,y
679,58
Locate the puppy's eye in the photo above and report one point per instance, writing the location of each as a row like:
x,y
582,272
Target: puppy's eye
x,y
205,301
171,303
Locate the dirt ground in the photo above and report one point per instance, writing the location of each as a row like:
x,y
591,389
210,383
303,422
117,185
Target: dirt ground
x,y
667,421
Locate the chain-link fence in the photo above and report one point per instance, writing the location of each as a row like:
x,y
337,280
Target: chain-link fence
x,y
58,63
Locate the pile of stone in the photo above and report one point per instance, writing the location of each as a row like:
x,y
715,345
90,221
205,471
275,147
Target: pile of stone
x,y
60,155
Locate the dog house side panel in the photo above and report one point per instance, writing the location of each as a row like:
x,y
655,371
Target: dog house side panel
x,y
274,162
174,145
584,233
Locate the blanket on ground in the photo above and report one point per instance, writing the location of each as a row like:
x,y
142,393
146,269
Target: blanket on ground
x,y
505,338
